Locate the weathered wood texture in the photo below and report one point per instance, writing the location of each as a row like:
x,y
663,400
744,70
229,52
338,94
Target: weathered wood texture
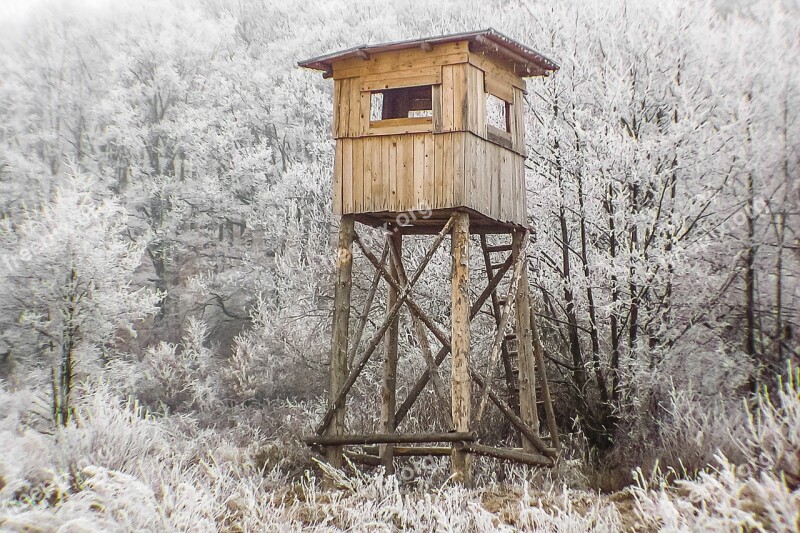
x,y
389,382
341,318
526,359
382,438
448,160
461,385
421,171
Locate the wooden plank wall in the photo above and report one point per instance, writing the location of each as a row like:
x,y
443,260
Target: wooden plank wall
x,y
454,164
420,171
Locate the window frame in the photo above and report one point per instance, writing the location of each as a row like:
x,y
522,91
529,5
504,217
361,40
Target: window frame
x,y
499,90
401,125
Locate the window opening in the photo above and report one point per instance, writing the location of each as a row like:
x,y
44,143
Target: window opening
x,y
497,113
405,102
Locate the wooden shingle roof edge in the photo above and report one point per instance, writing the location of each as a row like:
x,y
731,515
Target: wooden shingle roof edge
x,y
526,61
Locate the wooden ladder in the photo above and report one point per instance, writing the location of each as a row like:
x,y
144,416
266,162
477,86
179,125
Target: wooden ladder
x,y
508,348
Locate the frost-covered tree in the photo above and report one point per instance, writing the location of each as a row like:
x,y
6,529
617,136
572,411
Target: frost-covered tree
x,y
67,282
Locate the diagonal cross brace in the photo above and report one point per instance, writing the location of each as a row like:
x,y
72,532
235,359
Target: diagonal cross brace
x,y
376,339
419,386
494,355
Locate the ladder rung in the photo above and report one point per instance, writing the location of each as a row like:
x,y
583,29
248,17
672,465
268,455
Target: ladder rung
x,y
495,266
510,337
499,248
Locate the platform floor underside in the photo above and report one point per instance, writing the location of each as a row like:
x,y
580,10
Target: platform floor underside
x,y
432,222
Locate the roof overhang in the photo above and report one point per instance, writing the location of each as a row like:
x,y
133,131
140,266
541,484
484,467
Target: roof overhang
x,y
526,61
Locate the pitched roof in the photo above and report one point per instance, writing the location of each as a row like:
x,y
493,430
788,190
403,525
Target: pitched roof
x,y
526,61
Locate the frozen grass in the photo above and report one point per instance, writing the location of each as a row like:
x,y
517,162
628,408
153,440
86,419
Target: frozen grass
x,y
116,468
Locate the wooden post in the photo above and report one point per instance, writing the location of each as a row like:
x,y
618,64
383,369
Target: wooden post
x,y
389,384
341,318
527,366
461,385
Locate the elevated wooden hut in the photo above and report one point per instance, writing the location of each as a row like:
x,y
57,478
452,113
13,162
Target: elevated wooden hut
x,y
430,138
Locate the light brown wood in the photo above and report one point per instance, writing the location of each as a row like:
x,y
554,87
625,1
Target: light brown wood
x,y
447,98
459,177
383,202
408,173
355,126
499,87
456,170
525,357
429,185
395,61
396,280
347,175
367,194
459,81
336,186
358,176
339,341
342,108
375,201
507,193
461,385
393,438
364,317
327,419
448,184
438,171
422,381
337,87
496,69
436,108
527,431
538,354
418,142
392,201
405,78
364,113
509,455
389,383
392,122
494,355
413,451
518,122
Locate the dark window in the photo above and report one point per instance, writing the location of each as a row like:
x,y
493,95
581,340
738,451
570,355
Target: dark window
x,y
406,102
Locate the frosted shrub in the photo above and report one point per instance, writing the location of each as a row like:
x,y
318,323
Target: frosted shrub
x,y
695,428
243,379
179,376
761,494
722,499
565,516
774,441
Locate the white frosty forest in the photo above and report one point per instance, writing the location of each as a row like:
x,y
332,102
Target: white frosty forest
x,y
167,256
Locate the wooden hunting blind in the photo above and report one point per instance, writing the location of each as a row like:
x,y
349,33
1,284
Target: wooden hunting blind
x,y
430,139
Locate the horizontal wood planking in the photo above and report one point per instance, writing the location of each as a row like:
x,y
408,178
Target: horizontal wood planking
x,y
499,88
404,78
496,69
442,54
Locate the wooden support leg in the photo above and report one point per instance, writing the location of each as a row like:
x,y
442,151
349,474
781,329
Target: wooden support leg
x,y
538,354
341,318
527,367
389,384
461,385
